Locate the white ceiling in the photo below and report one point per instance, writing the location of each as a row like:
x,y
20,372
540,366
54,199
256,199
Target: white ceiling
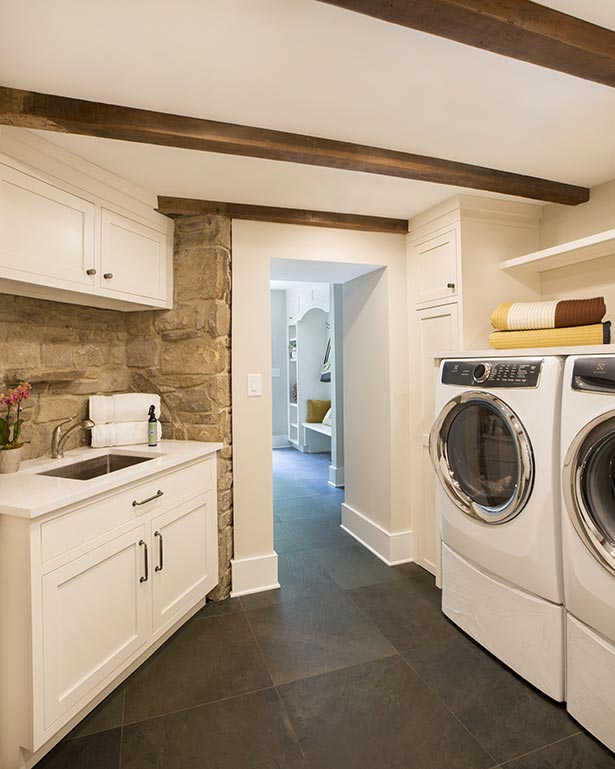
x,y
304,66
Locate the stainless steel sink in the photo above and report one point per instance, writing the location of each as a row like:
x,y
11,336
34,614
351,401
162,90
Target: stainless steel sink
x,y
93,468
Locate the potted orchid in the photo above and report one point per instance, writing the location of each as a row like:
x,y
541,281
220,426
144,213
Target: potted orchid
x,y
11,448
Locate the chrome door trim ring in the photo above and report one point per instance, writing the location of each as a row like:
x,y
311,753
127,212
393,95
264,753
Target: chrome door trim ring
x,y
523,447
598,545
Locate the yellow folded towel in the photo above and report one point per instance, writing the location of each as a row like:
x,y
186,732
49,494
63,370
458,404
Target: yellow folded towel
x,y
598,333
523,316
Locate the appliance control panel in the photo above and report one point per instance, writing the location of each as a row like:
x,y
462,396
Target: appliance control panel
x,y
596,375
492,373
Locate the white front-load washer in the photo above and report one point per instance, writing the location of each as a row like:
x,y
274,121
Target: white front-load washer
x,y
588,519
495,447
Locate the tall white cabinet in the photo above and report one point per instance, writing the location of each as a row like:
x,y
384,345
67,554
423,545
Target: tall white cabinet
x,y
454,283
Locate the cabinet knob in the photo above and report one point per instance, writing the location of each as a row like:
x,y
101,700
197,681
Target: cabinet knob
x,y
448,285
91,271
108,275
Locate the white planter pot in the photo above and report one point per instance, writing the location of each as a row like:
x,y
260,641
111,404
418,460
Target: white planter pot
x,y
10,459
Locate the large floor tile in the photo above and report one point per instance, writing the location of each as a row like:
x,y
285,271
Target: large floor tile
x,y
283,540
206,660
246,732
300,577
378,715
577,752
108,715
353,566
97,751
296,507
507,716
309,637
406,616
319,531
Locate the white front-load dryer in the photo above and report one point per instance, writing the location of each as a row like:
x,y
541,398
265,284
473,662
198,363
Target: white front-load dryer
x,y
588,520
495,447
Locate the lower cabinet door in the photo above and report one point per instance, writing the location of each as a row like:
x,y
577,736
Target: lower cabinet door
x,y
96,615
184,559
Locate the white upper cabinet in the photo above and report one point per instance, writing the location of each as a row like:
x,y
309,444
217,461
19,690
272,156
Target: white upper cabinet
x,y
46,234
435,260
71,232
133,257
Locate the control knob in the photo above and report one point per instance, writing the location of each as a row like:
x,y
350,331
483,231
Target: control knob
x,y
481,372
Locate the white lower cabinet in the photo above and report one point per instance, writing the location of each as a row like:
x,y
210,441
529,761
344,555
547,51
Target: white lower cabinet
x,y
88,592
181,569
95,617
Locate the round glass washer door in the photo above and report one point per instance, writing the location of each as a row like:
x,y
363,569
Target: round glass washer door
x,y
589,488
483,457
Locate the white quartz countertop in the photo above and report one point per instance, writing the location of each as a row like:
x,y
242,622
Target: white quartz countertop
x,y
26,494
530,352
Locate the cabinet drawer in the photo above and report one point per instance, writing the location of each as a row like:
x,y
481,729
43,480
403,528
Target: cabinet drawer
x,y
69,531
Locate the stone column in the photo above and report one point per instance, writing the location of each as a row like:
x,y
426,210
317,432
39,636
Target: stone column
x,y
184,354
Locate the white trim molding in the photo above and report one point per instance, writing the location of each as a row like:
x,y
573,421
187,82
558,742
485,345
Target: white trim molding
x,y
281,442
336,476
254,575
391,547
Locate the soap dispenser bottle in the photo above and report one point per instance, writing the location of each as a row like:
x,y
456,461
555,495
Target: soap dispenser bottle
x,y
152,427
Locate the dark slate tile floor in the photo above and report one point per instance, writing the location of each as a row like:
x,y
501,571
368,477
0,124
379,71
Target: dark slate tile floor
x,y
350,664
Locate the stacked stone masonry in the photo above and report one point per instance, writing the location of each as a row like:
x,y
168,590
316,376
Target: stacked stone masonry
x,y
69,352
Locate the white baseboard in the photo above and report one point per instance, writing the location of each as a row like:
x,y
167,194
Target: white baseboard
x,y
392,548
254,575
281,442
336,476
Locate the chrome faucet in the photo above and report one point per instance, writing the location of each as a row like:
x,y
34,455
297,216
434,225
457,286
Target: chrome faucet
x,y
58,439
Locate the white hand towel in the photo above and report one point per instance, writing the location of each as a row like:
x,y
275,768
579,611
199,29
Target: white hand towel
x,y
121,434
127,407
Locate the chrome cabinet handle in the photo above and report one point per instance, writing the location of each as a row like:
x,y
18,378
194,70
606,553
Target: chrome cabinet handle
x,y
145,559
91,271
160,566
108,275
149,499
450,285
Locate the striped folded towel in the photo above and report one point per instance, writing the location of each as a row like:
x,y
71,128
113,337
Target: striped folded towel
x,y
523,316
598,333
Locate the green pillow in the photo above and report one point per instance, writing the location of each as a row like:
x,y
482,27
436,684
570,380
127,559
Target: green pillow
x,y
317,410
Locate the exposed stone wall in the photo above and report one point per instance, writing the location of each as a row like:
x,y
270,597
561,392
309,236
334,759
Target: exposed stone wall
x,y
185,355
67,352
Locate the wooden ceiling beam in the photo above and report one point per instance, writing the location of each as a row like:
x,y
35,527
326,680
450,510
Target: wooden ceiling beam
x,y
190,207
29,109
520,29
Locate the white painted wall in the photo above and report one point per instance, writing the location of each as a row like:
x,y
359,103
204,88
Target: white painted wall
x,y
564,223
279,384
383,502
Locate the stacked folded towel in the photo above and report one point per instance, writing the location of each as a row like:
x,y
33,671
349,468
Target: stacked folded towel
x,y
121,420
550,324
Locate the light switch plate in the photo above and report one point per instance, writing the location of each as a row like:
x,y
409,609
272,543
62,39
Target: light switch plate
x,y
255,385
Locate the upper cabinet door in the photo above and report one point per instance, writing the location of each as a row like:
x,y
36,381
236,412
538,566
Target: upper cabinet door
x,y
46,234
133,257
435,268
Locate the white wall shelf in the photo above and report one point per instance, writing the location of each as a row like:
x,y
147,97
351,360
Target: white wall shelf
x,y
573,252
528,352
